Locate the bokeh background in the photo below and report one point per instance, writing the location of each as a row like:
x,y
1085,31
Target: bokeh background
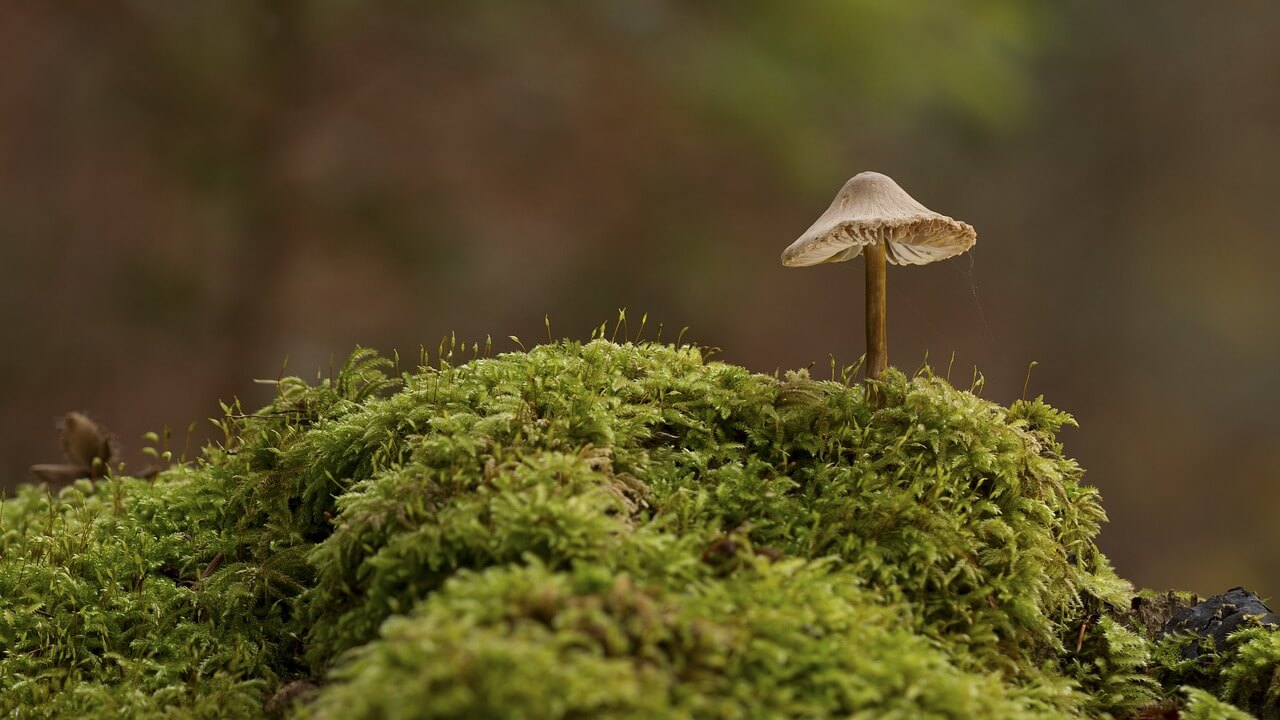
x,y
192,191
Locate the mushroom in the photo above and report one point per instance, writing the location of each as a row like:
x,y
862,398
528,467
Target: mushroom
x,y
873,216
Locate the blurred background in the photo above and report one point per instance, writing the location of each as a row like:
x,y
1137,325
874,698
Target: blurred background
x,y
192,191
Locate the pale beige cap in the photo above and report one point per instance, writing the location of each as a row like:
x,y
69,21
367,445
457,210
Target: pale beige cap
x,y
870,209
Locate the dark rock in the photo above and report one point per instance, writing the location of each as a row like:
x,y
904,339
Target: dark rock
x,y
1218,617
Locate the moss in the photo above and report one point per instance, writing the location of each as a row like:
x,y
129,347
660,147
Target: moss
x,y
584,530
1201,705
1252,671
786,639
1245,671
1111,666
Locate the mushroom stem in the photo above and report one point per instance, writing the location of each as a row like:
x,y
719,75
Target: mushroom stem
x,y
877,338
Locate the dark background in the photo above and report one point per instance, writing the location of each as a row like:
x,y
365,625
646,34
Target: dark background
x,y
192,191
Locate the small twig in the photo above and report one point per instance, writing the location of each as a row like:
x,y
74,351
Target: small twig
x,y
1084,625
212,567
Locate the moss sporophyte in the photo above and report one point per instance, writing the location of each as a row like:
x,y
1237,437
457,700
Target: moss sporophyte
x,y
596,530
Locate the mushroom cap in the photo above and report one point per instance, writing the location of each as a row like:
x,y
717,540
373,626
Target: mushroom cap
x,y
870,209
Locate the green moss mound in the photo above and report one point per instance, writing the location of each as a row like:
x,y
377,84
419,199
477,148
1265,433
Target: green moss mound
x,y
586,530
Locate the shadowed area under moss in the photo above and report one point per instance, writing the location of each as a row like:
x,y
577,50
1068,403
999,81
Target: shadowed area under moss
x,y
583,530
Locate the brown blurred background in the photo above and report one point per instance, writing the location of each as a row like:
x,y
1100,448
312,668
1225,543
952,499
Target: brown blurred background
x,y
192,191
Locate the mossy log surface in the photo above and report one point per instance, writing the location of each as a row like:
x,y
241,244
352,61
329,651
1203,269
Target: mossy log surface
x,y
598,530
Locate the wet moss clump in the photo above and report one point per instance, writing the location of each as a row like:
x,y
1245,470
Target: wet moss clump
x,y
1245,670
585,530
